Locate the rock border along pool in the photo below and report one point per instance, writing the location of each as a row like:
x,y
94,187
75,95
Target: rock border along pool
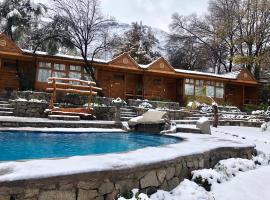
x,y
106,176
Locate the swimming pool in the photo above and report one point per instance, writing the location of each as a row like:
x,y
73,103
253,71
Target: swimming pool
x,y
22,145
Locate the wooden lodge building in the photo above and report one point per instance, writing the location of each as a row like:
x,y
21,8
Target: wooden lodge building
x,y
123,77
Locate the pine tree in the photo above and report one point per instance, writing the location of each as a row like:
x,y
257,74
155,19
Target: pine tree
x,y
18,17
139,42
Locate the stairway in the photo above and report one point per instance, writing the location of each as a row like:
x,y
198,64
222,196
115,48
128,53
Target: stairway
x,y
127,113
6,108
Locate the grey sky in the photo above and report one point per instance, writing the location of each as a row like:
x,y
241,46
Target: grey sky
x,y
156,13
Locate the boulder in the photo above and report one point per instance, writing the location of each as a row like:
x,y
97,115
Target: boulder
x,y
204,125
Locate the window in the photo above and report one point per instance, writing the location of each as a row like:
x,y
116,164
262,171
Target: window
x,y
75,68
44,74
189,87
199,88
44,71
58,74
76,75
210,89
60,67
219,90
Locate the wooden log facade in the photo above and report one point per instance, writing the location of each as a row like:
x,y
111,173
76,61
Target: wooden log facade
x,y
123,77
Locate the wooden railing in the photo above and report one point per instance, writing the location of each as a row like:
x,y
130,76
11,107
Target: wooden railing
x,y
71,86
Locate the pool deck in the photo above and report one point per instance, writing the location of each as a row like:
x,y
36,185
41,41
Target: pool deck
x,y
6,121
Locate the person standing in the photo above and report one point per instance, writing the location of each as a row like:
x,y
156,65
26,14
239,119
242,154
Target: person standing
x,y
215,112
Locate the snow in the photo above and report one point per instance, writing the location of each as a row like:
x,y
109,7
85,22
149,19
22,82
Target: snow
x,y
150,117
251,185
234,178
187,190
202,120
145,105
230,75
13,13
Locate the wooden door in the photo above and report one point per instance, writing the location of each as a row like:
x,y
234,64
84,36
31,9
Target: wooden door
x,y
170,89
117,86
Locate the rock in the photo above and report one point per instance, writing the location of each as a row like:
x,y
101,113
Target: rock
x,y
112,196
173,183
29,193
87,194
88,185
57,195
150,179
178,169
161,174
106,188
170,171
164,186
204,125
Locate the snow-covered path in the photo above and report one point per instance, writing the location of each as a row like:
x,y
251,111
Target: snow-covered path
x,y
251,185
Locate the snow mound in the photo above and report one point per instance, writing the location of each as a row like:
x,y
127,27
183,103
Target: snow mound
x,y
231,167
145,105
187,190
262,159
265,127
258,112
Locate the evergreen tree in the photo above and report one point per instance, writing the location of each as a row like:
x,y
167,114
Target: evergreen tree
x,y
139,42
18,17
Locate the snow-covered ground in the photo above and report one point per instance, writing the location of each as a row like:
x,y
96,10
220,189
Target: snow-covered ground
x,y
239,179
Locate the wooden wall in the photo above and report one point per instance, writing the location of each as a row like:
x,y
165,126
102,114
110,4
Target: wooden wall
x,y
8,75
234,95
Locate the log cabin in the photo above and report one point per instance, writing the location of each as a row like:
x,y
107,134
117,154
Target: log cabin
x,y
123,77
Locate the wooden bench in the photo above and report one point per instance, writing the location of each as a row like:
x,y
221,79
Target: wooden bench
x,y
71,86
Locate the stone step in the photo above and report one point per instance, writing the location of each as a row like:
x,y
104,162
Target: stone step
x,y
6,109
188,130
4,102
127,113
125,118
64,117
186,122
5,113
126,109
5,105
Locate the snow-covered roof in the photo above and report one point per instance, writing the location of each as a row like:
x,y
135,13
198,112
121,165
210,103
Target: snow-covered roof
x,y
42,53
230,75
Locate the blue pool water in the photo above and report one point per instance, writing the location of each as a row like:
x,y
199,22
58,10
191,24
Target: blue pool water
x,y
31,145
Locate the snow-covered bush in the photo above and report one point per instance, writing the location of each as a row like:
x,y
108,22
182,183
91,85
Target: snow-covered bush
x,y
265,127
230,167
119,101
206,178
207,109
262,159
258,112
145,105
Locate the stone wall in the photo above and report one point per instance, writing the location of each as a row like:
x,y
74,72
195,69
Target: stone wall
x,y
28,95
155,104
24,108
107,185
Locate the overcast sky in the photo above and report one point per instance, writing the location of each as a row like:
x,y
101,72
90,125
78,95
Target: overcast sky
x,y
156,13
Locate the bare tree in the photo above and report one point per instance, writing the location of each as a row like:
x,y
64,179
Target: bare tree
x,y
85,27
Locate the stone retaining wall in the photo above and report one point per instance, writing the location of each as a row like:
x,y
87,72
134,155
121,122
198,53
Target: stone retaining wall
x,y
107,185
29,108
